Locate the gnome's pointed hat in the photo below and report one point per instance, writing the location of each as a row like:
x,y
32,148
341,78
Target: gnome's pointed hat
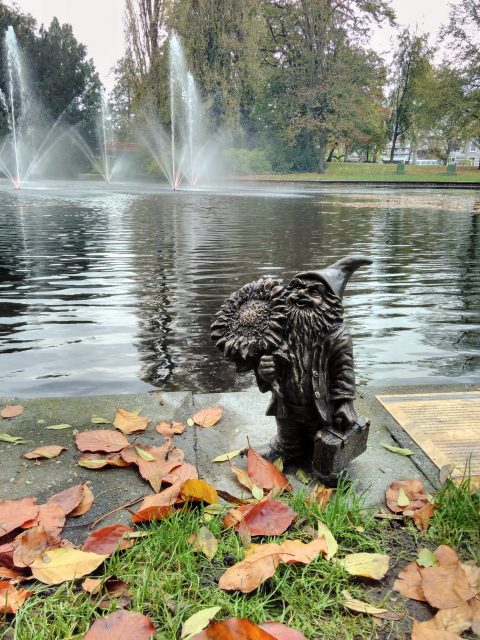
x,y
338,274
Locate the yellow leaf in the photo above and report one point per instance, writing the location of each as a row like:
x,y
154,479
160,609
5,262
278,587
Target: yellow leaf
x,y
198,622
278,464
205,541
99,420
364,607
6,437
332,545
402,500
257,492
199,490
57,427
302,476
144,454
228,456
59,565
366,565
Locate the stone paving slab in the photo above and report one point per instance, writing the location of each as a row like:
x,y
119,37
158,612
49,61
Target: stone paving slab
x,y
112,487
244,421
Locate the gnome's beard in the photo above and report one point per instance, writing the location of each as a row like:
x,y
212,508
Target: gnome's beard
x,y
306,328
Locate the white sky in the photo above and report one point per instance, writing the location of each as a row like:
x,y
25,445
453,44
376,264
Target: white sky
x,y
99,24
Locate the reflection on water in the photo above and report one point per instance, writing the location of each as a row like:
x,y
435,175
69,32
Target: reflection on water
x,y
112,289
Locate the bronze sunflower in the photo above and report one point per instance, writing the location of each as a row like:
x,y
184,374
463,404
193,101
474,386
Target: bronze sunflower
x,y
250,322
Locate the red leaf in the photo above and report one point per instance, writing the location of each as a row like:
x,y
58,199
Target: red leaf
x,y
414,491
11,599
268,518
152,513
166,458
108,539
101,440
121,625
14,513
263,473
281,631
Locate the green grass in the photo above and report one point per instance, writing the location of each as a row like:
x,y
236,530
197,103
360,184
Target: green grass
x,y
170,581
379,172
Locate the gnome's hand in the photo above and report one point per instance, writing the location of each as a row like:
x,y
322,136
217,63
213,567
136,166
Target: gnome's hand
x,y
345,414
267,369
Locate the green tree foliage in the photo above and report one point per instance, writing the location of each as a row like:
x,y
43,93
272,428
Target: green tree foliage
x,y
440,114
410,64
65,78
319,68
65,81
462,35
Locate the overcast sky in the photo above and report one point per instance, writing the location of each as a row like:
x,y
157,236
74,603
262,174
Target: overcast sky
x,y
99,24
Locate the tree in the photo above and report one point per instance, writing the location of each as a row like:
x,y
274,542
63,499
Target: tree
x,y
410,64
222,41
315,47
462,34
67,81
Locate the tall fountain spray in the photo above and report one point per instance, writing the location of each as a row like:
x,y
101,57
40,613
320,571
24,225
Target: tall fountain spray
x,y
178,150
34,143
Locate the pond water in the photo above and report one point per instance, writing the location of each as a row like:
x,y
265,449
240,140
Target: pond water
x,y
112,288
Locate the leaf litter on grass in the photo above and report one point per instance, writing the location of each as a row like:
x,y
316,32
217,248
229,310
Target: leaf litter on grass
x,y
41,553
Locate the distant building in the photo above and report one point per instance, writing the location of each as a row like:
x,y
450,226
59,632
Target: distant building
x,y
468,154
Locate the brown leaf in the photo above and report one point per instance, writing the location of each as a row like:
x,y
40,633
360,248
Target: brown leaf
x,y
11,411
29,545
475,609
445,555
320,495
409,582
14,513
167,497
86,503
247,575
48,451
231,499
235,629
52,518
263,473
59,565
414,491
121,624
422,516
185,471
268,518
6,555
11,599
262,560
456,620
199,490
281,632
12,574
101,440
69,499
128,422
208,417
429,631
169,429
98,461
446,586
107,540
165,459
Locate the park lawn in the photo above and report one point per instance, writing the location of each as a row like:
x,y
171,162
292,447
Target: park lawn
x,y
369,172
169,581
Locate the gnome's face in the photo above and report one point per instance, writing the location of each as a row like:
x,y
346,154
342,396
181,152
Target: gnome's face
x,y
306,293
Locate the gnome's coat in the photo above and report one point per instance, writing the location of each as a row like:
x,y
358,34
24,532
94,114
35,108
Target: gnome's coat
x,y
332,376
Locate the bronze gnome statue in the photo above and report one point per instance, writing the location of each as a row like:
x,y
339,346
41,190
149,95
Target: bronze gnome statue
x,y
293,337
